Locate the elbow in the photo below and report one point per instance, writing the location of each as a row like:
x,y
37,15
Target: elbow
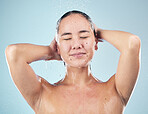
x,y
11,51
134,43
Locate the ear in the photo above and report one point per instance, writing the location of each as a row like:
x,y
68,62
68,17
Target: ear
x,y
58,49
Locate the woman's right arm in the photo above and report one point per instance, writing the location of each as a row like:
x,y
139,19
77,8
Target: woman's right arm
x,y
19,56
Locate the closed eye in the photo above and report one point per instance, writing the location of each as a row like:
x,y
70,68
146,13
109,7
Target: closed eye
x,y
67,38
84,37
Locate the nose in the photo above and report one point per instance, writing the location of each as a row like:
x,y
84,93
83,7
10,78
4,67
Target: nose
x,y
77,44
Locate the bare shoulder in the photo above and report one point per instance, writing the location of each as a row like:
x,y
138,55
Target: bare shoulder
x,y
111,85
108,95
47,87
46,90
108,88
45,84
111,81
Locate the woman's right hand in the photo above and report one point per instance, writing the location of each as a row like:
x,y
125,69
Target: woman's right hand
x,y
55,55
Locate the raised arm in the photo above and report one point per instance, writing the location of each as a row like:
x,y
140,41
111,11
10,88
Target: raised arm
x,y
129,62
19,56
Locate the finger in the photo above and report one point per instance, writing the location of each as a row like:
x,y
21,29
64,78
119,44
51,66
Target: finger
x,y
53,43
58,57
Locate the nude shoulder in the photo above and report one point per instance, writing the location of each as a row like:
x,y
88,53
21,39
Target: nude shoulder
x,y
108,86
111,80
112,86
45,84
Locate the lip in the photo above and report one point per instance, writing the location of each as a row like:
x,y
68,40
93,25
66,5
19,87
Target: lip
x,y
79,54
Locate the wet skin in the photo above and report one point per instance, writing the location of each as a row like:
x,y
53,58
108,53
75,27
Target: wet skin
x,y
95,98
79,92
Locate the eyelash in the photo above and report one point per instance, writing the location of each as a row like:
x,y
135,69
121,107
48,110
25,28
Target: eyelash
x,y
67,39
71,38
84,37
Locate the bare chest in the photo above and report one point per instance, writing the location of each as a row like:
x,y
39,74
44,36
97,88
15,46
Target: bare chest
x,y
85,101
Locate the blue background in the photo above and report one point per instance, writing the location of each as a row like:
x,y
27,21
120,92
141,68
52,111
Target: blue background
x,y
34,21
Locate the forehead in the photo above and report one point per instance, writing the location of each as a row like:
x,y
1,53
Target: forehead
x,y
74,23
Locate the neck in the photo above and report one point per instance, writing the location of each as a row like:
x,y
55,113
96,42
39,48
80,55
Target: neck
x,y
78,76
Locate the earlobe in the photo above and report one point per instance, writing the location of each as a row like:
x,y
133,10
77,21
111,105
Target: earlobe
x,y
96,47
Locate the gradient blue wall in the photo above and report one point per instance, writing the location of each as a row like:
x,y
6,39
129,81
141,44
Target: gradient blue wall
x,y
34,21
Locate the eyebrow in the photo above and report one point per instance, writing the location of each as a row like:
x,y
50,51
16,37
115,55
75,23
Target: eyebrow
x,y
68,33
82,31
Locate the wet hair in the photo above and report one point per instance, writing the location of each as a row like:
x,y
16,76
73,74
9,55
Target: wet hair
x,y
74,12
82,14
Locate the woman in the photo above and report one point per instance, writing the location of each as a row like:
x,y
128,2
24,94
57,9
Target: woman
x,y
79,92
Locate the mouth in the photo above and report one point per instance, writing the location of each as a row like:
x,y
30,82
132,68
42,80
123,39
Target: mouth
x,y
77,55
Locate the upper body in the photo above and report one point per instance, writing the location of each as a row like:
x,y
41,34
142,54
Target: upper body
x,y
95,98
79,92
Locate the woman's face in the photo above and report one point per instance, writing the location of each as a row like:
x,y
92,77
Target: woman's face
x,y
76,41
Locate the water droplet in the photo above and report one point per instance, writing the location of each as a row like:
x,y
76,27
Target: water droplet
x,y
46,68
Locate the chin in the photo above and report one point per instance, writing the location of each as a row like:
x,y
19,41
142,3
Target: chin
x,y
78,64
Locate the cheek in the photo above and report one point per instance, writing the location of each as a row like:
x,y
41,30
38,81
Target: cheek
x,y
89,45
64,48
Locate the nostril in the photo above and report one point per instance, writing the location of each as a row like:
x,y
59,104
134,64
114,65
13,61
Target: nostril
x,y
73,47
77,46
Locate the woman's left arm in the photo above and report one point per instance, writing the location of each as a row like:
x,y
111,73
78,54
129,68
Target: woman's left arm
x,y
129,62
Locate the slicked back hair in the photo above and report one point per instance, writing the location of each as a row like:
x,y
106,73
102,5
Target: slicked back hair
x,y
75,12
97,36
